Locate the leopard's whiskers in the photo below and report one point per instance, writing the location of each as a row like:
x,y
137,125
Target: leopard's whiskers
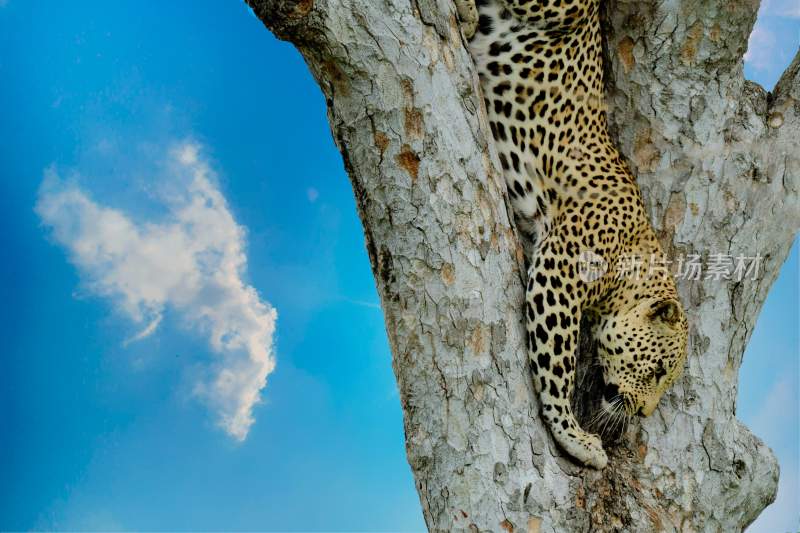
x,y
597,418
616,402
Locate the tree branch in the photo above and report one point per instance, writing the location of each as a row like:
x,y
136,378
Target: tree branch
x,y
788,87
783,119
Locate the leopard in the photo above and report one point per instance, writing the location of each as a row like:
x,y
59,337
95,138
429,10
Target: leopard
x,y
576,201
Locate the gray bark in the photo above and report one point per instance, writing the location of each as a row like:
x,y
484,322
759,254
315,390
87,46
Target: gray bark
x,y
717,160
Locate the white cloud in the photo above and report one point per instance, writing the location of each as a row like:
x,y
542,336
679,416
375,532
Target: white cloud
x,y
776,423
776,414
763,50
192,263
780,8
146,332
760,47
362,303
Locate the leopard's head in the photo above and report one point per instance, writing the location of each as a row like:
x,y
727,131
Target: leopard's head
x,y
642,352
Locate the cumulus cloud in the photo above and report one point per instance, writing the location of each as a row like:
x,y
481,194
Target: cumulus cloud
x,y
191,262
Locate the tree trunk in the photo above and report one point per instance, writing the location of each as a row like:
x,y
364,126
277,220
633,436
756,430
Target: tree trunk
x,y
717,160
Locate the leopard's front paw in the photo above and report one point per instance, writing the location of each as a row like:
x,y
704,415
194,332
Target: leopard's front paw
x,y
468,13
587,448
595,454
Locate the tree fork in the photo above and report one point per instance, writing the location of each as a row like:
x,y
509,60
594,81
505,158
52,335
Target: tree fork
x,y
717,159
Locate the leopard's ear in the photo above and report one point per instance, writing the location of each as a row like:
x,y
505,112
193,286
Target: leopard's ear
x,y
667,311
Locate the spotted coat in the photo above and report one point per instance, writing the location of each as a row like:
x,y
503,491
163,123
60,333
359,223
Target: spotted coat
x,y
541,71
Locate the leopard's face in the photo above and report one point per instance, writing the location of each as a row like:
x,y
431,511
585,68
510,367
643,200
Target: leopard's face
x,y
642,352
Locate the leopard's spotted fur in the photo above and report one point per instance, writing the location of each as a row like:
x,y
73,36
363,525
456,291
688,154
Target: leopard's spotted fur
x,y
540,63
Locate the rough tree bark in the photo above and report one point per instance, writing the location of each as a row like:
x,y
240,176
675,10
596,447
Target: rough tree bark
x,y
717,160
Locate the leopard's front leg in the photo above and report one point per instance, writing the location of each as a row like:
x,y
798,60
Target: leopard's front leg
x,y
553,322
468,13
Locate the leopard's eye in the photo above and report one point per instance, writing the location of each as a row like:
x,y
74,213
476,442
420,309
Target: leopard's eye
x,y
660,372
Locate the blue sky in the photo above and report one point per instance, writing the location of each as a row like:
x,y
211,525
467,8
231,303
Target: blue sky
x,y
195,136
